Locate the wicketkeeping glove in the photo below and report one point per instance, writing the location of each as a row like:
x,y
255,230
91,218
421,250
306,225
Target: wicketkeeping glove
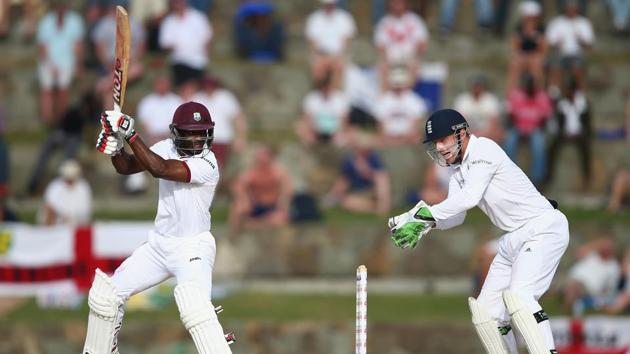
x,y
117,123
109,144
409,227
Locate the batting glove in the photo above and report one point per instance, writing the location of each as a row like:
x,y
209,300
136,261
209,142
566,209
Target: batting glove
x,y
409,227
117,123
109,144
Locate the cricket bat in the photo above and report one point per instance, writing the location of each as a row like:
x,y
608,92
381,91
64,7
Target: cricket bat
x,y
123,53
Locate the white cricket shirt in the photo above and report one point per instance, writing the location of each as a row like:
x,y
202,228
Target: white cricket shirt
x,y
184,208
329,31
399,112
487,178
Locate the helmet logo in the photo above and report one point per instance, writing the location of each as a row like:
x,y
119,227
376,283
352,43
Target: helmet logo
x,y
197,116
429,127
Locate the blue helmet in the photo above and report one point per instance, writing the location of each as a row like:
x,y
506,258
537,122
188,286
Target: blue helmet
x,y
442,123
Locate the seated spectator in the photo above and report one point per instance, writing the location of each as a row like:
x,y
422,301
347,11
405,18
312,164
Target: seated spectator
x,y
399,111
28,18
150,14
155,114
620,11
435,186
529,107
622,300
401,38
68,198
324,115
4,157
482,110
329,31
230,126
262,193
482,258
363,185
573,119
104,38
568,35
60,42
187,34
66,136
448,9
528,45
592,280
259,36
620,191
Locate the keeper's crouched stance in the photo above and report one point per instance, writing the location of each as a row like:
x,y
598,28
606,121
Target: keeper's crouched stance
x,y
537,234
180,245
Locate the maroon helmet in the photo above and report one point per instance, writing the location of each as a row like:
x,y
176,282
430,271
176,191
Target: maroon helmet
x,y
192,129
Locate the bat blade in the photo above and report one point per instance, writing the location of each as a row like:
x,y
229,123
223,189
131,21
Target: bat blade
x,y
123,53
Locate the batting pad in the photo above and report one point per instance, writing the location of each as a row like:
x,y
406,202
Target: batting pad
x,y
105,318
523,319
198,316
487,329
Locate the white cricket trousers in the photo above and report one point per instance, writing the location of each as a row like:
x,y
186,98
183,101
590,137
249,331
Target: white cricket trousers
x,y
526,262
188,259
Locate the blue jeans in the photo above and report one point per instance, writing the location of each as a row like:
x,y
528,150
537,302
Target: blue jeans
x,y
537,146
483,8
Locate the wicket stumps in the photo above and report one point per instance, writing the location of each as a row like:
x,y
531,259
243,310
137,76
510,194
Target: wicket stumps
x,y
361,311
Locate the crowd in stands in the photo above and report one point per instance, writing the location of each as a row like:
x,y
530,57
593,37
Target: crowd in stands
x,y
545,105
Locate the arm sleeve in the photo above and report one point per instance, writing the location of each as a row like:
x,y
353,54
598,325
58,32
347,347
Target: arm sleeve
x,y
474,186
455,220
203,170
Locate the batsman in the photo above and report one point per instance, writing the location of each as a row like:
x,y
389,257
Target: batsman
x,y
180,245
537,234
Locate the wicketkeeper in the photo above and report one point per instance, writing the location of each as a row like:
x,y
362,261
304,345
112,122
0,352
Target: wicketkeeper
x,y
537,234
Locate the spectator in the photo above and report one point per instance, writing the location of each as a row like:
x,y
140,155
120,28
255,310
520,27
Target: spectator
x,y
68,198
262,193
104,38
528,44
65,136
622,300
155,110
569,35
4,158
620,11
259,36
363,185
435,185
592,281
187,34
60,44
155,113
483,8
230,128
401,38
400,111
150,13
621,182
573,116
28,18
529,107
324,115
482,109
329,31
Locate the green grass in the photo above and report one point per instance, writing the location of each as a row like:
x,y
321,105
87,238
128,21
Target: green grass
x,y
291,308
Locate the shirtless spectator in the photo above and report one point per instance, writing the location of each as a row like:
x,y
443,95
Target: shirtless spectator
x,y
262,193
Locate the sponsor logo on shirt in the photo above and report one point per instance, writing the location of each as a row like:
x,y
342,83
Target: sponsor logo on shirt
x,y
210,162
194,259
481,161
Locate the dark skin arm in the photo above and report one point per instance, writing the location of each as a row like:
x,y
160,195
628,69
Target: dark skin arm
x,y
144,159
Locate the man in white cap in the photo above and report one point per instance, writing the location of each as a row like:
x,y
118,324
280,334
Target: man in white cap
x,y
68,198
